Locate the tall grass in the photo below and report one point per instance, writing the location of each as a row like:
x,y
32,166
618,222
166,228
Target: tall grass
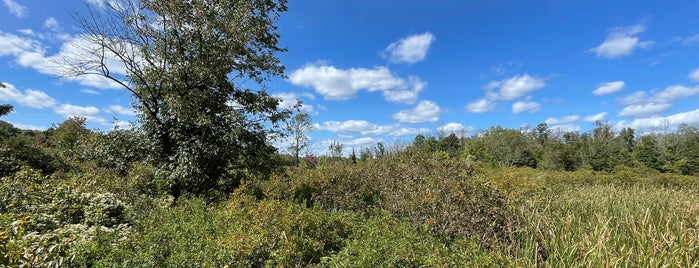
x,y
607,225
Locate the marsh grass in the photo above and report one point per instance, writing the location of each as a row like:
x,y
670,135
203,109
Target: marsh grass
x,y
611,226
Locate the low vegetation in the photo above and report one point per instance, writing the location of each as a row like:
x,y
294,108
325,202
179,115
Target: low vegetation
x,y
88,203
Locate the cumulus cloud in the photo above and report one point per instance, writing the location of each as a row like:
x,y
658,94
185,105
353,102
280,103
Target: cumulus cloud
x,y
644,110
672,93
525,106
118,109
425,111
480,106
291,100
661,122
621,42
30,98
410,49
694,75
609,88
455,128
91,113
514,87
341,84
74,52
640,104
52,24
365,128
15,8
595,117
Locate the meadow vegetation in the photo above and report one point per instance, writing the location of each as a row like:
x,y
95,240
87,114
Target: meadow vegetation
x,y
70,196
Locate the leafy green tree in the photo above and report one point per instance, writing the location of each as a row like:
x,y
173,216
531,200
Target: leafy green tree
x,y
335,149
507,147
297,127
647,153
450,144
5,109
196,71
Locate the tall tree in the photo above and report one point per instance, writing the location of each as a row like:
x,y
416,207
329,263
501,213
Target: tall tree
x,y
196,70
297,127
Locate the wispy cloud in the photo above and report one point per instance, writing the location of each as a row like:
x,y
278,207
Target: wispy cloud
x,y
609,88
16,9
410,49
480,106
30,98
694,75
365,128
525,106
621,42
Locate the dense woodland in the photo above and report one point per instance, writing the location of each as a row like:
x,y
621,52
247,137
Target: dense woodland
x,y
197,182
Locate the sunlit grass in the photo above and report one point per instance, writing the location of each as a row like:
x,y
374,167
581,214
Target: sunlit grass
x,y
612,226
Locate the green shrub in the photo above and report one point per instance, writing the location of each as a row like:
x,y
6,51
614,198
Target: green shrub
x,y
384,241
432,189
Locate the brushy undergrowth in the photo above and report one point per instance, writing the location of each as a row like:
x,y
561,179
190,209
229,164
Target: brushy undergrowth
x,y
431,189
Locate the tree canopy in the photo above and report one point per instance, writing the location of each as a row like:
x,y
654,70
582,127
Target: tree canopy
x,y
196,71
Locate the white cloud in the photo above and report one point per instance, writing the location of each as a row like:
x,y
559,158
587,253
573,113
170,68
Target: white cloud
x,y
91,113
28,127
30,98
410,49
525,106
636,97
425,111
455,128
514,87
290,100
341,84
52,24
365,128
595,117
16,9
119,124
12,45
561,121
567,120
621,42
644,110
90,91
480,106
609,88
118,109
674,92
660,122
30,53
565,128
694,75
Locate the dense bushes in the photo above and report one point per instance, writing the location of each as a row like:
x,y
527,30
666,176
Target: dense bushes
x,y
430,189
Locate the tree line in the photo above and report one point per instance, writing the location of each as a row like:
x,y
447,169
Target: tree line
x,y
601,149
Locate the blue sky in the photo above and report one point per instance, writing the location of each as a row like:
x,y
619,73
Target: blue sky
x,y
370,71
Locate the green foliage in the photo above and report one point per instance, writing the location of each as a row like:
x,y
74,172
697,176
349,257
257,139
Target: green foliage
x,y
430,189
44,219
191,83
5,109
384,241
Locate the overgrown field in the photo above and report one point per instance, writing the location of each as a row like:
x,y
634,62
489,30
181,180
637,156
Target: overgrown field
x,y
409,209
